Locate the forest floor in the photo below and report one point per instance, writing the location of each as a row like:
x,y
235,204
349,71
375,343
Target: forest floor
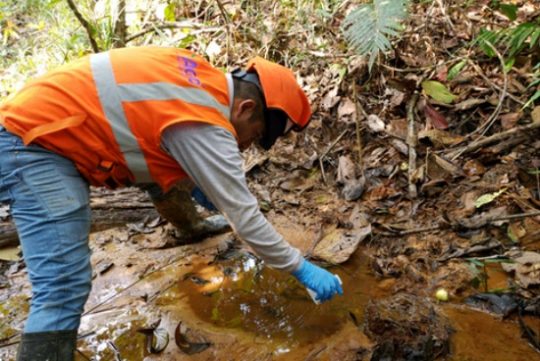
x,y
398,212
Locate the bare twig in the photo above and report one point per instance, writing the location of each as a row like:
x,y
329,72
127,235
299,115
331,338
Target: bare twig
x,y
411,142
86,25
492,139
485,127
492,84
333,144
359,111
323,173
120,28
325,153
227,29
178,25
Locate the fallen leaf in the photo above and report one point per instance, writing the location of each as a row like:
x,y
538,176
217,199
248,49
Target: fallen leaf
x,y
473,168
482,219
396,97
526,267
510,120
375,123
9,254
330,99
448,166
488,198
535,114
442,73
299,181
345,109
345,171
338,245
440,138
437,120
456,69
157,339
438,91
185,345
469,103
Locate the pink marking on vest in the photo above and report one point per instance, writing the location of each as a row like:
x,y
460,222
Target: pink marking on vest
x,y
188,68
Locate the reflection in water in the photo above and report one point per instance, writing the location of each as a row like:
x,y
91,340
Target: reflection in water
x,y
241,293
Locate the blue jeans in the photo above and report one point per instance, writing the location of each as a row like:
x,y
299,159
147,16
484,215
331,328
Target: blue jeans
x,y
49,202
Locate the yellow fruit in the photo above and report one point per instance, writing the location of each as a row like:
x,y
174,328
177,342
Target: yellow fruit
x,y
441,295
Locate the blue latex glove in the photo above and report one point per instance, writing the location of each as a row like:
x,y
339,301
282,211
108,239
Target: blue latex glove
x,y
199,196
322,282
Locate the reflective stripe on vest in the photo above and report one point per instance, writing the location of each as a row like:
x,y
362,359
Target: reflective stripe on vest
x,y
111,95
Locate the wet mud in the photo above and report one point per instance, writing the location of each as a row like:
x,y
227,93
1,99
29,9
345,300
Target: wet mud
x,y
225,297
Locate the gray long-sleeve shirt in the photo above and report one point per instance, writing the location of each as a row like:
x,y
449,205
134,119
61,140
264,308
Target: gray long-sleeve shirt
x,y
211,157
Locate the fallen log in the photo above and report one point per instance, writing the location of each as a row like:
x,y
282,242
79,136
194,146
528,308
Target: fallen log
x,y
109,209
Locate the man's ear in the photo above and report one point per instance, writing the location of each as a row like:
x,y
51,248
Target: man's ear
x,y
246,107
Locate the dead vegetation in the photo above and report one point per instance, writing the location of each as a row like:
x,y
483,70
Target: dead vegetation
x,y
439,195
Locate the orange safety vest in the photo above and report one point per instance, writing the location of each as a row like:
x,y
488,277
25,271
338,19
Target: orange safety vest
x,y
106,112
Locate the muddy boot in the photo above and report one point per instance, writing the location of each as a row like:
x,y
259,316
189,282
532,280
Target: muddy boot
x,y
47,346
205,228
177,207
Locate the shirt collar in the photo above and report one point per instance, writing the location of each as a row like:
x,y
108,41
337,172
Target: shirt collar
x,y
230,84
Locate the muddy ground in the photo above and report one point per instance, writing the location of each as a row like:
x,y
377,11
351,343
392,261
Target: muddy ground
x,y
231,307
398,193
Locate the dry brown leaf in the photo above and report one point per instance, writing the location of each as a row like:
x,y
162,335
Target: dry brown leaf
x,y
345,171
299,181
396,97
338,245
375,123
449,168
440,138
482,219
510,120
397,128
345,109
535,114
331,99
473,168
526,267
469,104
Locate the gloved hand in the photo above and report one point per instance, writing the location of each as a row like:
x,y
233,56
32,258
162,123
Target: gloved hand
x,y
200,197
322,282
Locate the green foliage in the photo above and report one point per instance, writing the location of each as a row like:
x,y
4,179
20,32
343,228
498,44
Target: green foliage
x,y
512,41
368,27
438,91
534,83
35,36
456,69
478,268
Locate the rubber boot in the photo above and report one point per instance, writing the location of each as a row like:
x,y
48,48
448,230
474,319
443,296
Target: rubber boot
x,y
204,228
177,207
48,346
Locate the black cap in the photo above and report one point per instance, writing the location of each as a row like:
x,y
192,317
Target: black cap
x,y
275,120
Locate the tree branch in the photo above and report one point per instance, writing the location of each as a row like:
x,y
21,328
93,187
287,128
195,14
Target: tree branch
x,y
411,142
86,25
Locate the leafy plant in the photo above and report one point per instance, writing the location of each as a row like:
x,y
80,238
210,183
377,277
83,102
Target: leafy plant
x,y
512,40
478,268
368,27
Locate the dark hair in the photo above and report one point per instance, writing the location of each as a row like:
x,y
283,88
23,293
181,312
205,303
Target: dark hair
x,y
246,90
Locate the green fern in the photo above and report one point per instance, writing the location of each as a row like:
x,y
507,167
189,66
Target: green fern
x,y
514,39
368,27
